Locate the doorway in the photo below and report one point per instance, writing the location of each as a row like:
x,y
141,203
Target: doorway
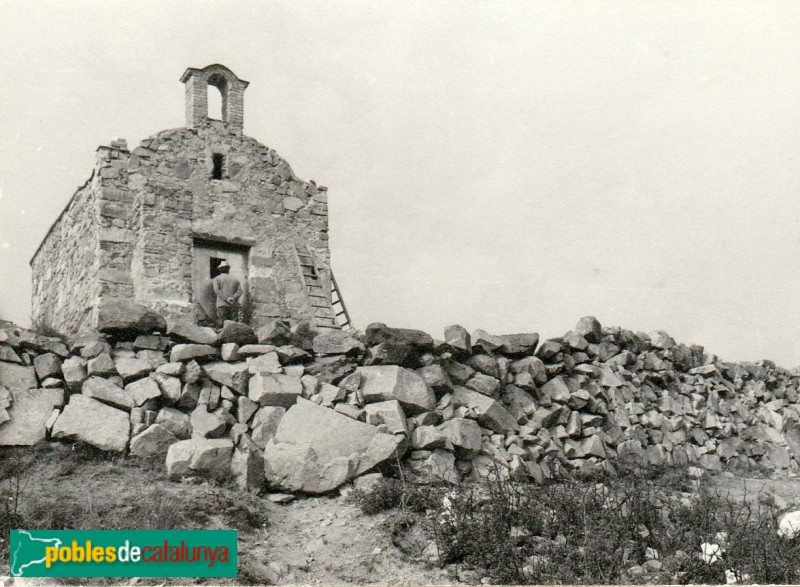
x,y
206,259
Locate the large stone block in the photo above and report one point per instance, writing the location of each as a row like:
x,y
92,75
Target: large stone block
x,y
74,370
487,411
186,352
589,328
119,316
39,343
106,392
191,332
517,345
93,422
142,390
462,434
47,365
29,412
276,332
233,375
378,333
175,421
389,414
155,440
130,368
210,457
275,389
458,338
387,382
315,450
236,332
337,342
17,377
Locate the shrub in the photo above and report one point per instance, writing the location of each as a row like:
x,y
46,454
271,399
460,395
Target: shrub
x,y
611,532
391,493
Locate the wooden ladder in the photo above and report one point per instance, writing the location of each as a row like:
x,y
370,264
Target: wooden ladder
x,y
339,309
329,309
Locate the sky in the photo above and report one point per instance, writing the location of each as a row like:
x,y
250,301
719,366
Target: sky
x,y
505,165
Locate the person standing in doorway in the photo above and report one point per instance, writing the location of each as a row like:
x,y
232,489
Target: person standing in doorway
x,y
228,291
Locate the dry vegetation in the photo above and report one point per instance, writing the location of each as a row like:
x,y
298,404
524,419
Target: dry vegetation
x,y
646,526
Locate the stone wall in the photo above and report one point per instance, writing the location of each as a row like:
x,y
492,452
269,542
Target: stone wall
x,y
308,412
129,233
258,203
65,265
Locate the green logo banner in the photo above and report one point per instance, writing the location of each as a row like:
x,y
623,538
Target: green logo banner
x,y
123,553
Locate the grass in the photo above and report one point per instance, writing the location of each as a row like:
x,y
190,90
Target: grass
x,y
58,486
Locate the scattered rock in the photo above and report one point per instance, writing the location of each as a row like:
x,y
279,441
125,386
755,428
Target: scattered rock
x,y
29,411
192,333
47,365
170,387
519,345
143,390
106,392
8,355
207,424
280,498
337,342
275,332
378,333
270,389
17,377
483,342
209,457
232,375
589,328
177,422
458,338
462,434
388,413
101,365
238,333
186,352
388,382
155,440
93,422
130,369
267,363
487,411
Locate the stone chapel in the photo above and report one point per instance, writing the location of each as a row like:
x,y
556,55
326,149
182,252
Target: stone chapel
x,y
153,224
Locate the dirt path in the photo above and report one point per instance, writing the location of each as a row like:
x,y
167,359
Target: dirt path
x,y
325,540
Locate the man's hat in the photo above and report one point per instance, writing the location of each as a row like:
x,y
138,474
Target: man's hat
x,y
224,265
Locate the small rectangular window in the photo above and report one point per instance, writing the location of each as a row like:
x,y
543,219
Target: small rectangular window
x,y
219,165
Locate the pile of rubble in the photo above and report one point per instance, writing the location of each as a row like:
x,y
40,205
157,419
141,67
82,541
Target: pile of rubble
x,y
309,412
